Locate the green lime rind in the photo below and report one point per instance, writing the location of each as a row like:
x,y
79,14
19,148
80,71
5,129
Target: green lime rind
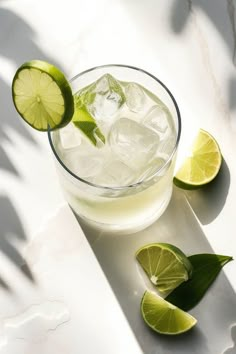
x,y
59,79
165,265
190,187
163,317
206,268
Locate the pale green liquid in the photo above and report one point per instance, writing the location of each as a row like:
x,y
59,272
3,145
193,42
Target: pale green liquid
x,y
127,209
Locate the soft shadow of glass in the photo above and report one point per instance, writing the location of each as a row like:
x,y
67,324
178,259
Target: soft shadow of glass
x,y
116,255
208,202
11,230
232,348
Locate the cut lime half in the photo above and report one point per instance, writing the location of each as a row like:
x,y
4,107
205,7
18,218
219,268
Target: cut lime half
x,y
166,265
163,317
202,165
42,95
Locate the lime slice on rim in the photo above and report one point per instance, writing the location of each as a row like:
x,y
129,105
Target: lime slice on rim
x,y
166,265
203,164
42,95
163,317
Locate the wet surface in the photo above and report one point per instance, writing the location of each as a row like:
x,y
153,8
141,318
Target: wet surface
x,y
35,323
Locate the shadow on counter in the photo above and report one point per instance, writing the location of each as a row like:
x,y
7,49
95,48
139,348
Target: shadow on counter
x,y
215,10
11,231
178,226
208,202
225,25
17,45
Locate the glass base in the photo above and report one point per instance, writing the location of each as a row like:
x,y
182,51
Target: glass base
x,y
122,229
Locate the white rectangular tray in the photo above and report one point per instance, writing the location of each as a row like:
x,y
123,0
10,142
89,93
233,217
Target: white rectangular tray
x,y
216,313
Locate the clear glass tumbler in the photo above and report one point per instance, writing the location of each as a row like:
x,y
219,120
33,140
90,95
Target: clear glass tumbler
x,y
124,209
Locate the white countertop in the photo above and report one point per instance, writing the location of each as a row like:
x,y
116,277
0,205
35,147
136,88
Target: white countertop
x,y
190,46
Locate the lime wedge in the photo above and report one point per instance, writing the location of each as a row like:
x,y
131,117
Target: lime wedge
x,y
83,120
42,95
163,317
203,164
166,265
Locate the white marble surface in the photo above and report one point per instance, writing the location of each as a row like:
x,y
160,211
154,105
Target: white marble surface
x,y
59,300
189,45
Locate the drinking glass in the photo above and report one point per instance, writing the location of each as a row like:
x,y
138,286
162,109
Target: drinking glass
x,y
122,209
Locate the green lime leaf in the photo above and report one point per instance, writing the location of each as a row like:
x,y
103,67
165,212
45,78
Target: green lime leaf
x,y
206,267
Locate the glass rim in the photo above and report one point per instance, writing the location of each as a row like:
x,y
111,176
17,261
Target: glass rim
x,y
136,184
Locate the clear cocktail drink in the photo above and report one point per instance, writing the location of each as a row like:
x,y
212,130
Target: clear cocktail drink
x,y
117,173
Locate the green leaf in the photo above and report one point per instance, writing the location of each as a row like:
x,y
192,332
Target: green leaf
x,y
206,267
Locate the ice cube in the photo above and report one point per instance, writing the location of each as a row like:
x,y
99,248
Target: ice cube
x,y
89,166
135,97
167,145
133,143
103,98
84,165
150,169
115,173
70,136
158,119
85,159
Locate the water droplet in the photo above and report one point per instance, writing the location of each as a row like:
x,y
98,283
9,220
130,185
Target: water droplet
x,y
34,324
